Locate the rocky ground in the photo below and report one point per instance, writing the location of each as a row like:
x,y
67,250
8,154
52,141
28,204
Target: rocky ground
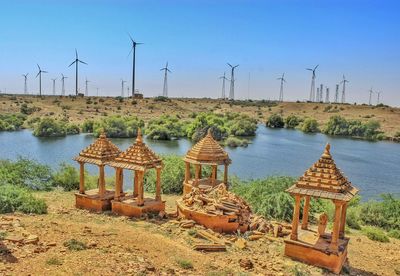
x,y
112,245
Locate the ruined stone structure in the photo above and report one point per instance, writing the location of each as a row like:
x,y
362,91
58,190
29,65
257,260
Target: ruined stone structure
x,y
206,152
99,153
327,250
138,158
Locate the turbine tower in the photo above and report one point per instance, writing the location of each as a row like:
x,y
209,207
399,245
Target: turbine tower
x,y
165,88
337,94
76,61
379,96
62,84
344,89
40,78
317,97
133,49
223,95
232,87
86,87
327,95
282,79
370,96
122,88
54,86
321,92
312,90
25,83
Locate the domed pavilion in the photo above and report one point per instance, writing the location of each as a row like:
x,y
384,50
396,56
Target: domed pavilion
x,y
328,250
138,158
207,152
99,153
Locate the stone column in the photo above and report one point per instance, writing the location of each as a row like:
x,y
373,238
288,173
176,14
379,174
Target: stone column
x,y
226,174
135,184
102,184
336,225
187,172
197,172
296,213
304,223
200,171
81,177
213,174
158,184
121,180
343,220
140,197
117,184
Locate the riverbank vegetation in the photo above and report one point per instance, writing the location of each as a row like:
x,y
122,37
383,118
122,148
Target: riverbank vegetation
x,y
11,122
166,127
118,126
48,127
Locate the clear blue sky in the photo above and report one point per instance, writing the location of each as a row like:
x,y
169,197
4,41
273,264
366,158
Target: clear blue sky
x,y
360,39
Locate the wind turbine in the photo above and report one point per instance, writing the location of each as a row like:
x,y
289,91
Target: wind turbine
x,y
62,84
25,83
122,88
86,87
165,88
40,78
282,79
54,86
76,61
133,49
232,88
337,94
344,89
379,96
370,95
312,90
223,96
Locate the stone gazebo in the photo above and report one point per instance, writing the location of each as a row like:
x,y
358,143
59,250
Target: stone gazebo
x,y
206,152
139,158
99,153
327,250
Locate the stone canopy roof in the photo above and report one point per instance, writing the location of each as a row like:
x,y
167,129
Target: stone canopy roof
x,y
324,180
207,151
137,157
100,152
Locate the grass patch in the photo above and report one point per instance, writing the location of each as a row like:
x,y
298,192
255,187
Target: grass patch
x,y
185,264
53,261
14,198
394,234
375,234
75,245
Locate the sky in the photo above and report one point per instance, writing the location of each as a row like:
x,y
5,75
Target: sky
x,y
357,38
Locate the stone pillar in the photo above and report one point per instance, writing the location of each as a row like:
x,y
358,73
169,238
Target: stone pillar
x,y
121,180
81,177
336,227
296,213
200,171
140,196
213,174
343,220
158,184
197,172
102,184
135,183
187,172
117,184
226,174
304,223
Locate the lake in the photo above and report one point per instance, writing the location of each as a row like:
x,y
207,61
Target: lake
x,y
373,167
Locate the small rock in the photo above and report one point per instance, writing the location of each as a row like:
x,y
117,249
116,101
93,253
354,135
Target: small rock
x,y
31,239
240,243
246,264
13,238
92,244
51,244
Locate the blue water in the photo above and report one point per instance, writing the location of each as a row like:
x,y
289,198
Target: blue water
x,y
374,167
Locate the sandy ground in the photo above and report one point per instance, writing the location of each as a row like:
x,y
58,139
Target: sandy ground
x,y
122,246
79,109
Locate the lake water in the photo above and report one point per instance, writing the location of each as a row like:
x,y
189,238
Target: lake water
x,y
374,167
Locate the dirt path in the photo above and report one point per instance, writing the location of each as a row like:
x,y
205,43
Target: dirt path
x,y
121,246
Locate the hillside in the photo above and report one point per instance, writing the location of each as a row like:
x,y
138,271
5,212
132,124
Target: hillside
x,y
79,109
122,246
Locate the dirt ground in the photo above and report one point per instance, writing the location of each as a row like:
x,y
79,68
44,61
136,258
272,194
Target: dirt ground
x,y
79,109
122,246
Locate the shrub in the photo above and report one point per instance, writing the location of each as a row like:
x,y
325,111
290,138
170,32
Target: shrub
x,y
236,142
11,122
67,177
353,219
87,126
25,109
310,126
292,121
25,173
165,127
75,245
376,234
53,261
72,129
241,125
161,99
275,121
118,127
185,264
13,198
198,128
49,127
394,234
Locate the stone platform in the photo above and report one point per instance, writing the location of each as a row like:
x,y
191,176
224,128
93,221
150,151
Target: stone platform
x,y
91,200
314,250
218,223
127,206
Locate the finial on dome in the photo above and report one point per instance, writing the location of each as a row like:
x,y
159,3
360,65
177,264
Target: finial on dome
x,y
209,132
327,152
139,135
102,133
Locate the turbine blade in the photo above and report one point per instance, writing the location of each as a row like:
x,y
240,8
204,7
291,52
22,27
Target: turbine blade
x,y
309,69
168,70
72,63
82,62
229,64
38,66
76,53
38,74
316,67
44,72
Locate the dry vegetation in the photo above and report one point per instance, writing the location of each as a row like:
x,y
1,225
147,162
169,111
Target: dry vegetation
x,y
79,109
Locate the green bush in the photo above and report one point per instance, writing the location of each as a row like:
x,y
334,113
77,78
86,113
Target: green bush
x,y
353,219
240,125
75,245
27,110
275,121
67,177
309,126
26,173
376,234
165,127
13,198
292,121
87,126
72,129
118,127
49,127
198,128
234,142
11,122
